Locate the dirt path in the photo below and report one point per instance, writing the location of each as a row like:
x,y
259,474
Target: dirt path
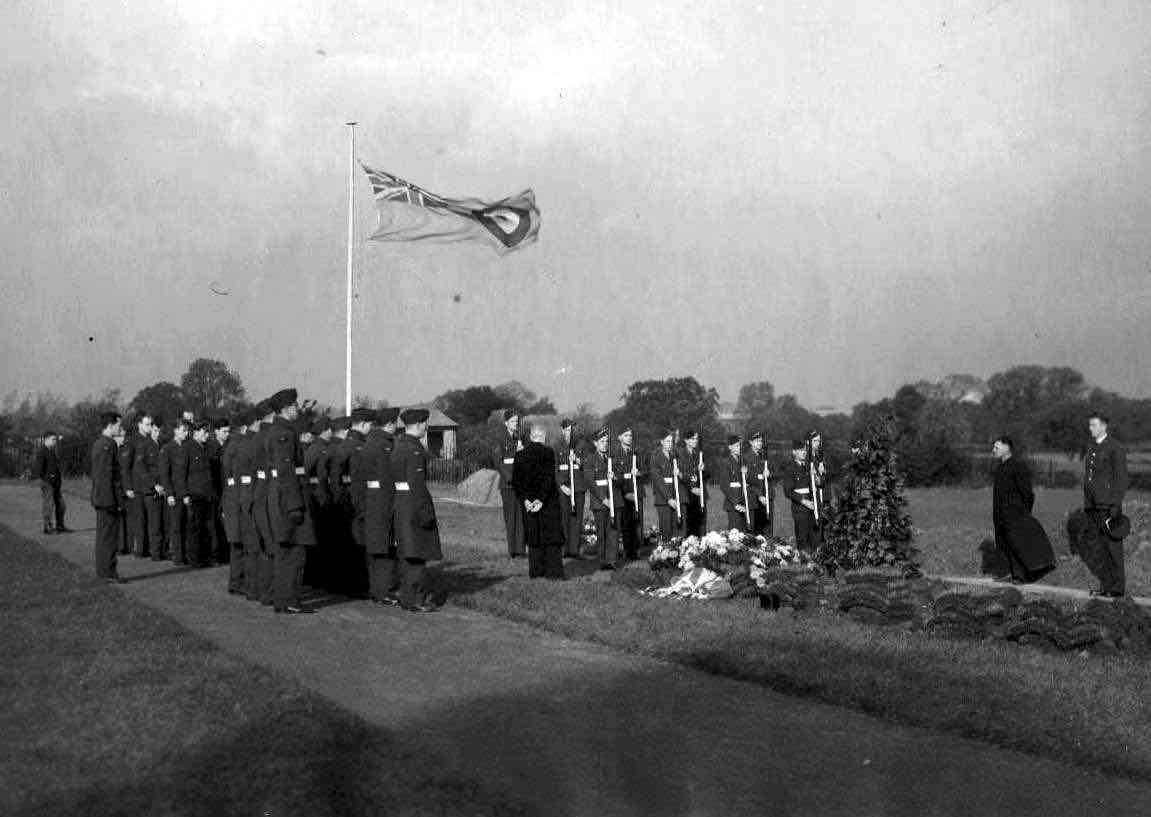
x,y
576,729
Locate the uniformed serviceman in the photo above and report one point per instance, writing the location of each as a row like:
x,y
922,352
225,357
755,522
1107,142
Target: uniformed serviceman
x,y
343,514
318,498
172,466
287,515
605,504
265,561
199,497
627,474
379,505
416,529
245,466
504,455
160,549
732,481
573,489
759,485
121,439
662,470
139,474
1105,482
692,488
106,496
47,472
221,432
797,490
230,502
353,567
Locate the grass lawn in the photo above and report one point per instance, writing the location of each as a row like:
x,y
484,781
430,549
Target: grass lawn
x,y
110,709
1090,710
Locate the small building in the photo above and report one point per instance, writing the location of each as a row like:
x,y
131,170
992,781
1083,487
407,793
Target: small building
x,y
441,437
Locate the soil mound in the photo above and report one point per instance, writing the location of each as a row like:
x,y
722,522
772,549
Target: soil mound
x,y
481,488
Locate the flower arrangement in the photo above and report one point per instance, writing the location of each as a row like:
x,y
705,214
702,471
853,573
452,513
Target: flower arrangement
x,y
770,555
665,555
588,538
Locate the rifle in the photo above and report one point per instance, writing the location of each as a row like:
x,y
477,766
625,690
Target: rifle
x,y
702,487
746,503
571,480
634,482
766,488
675,477
814,480
610,490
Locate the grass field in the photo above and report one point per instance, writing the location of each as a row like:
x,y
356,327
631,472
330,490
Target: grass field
x,y
110,709
1090,709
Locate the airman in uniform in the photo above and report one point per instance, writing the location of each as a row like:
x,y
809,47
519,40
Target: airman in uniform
x,y
732,482
379,506
199,496
606,504
172,467
230,502
691,463
105,496
797,490
627,474
291,530
573,487
663,471
416,528
759,486
264,566
505,457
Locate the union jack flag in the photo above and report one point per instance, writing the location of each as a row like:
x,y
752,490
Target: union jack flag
x,y
407,212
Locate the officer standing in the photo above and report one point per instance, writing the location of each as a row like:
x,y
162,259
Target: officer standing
x,y
173,464
106,496
47,471
245,468
139,474
230,502
221,432
416,529
625,468
265,560
797,490
353,568
1104,484
199,497
287,516
732,474
759,486
379,506
505,457
573,489
662,469
692,487
605,504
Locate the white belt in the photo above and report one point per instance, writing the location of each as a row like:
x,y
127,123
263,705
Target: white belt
x,y
373,483
346,480
300,471
669,480
601,482
313,480
803,490
262,475
246,480
759,477
735,485
509,460
231,481
275,474
403,486
563,468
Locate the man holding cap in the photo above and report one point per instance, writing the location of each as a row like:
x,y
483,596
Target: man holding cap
x,y
605,501
505,457
797,489
731,483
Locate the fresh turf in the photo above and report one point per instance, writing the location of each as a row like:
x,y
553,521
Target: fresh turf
x,y
108,708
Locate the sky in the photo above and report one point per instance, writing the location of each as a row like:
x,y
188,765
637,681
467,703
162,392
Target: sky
x,y
836,197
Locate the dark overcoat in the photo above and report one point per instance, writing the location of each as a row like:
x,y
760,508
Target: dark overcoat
x,y
105,474
1104,475
416,529
284,493
379,492
533,478
1016,530
230,490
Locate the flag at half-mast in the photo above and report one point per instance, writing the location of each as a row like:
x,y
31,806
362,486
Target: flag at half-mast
x,y
410,213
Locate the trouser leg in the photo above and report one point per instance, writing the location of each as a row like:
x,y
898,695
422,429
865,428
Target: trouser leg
x,y
513,523
759,521
252,557
107,542
535,561
413,581
804,529
47,510
125,535
177,530
153,526
287,567
58,499
384,574
665,517
553,561
236,579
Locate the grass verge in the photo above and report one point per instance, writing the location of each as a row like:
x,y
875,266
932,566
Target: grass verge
x,y
108,708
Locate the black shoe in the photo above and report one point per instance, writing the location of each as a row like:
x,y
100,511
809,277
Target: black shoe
x,y
387,601
422,607
234,592
63,529
48,531
293,610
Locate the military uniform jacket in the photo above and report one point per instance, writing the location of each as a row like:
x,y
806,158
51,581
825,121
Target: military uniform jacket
x,y
563,476
621,466
505,457
164,466
324,459
416,529
661,470
47,467
596,478
379,491
198,472
689,472
124,456
284,495
355,469
797,484
756,486
145,465
319,488
1105,474
731,482
105,474
178,462
230,490
339,477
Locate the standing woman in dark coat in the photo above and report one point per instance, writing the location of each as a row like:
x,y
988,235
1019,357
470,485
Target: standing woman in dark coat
x,y
1017,534
533,478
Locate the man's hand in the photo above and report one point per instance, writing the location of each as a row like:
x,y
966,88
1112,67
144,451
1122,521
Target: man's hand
x,y
763,499
296,517
172,501
741,508
187,500
673,504
697,491
807,503
159,490
130,494
529,506
629,497
566,490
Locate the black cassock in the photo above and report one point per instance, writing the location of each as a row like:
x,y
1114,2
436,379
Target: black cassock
x,y
1017,533
533,478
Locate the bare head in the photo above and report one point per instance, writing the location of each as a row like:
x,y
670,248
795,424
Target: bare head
x,y
537,433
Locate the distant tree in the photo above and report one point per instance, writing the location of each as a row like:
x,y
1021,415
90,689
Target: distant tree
x,y
1018,397
905,407
541,406
755,399
1062,427
164,399
473,405
518,395
210,386
649,405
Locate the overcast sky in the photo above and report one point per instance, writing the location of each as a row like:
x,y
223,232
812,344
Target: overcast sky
x,y
836,197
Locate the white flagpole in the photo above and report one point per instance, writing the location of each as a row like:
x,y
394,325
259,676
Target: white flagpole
x,y
351,240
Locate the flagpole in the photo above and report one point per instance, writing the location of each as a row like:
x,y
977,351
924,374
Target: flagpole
x,y
351,240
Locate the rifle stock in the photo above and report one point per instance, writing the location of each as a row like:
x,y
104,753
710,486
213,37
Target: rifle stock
x,y
746,501
610,490
675,479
